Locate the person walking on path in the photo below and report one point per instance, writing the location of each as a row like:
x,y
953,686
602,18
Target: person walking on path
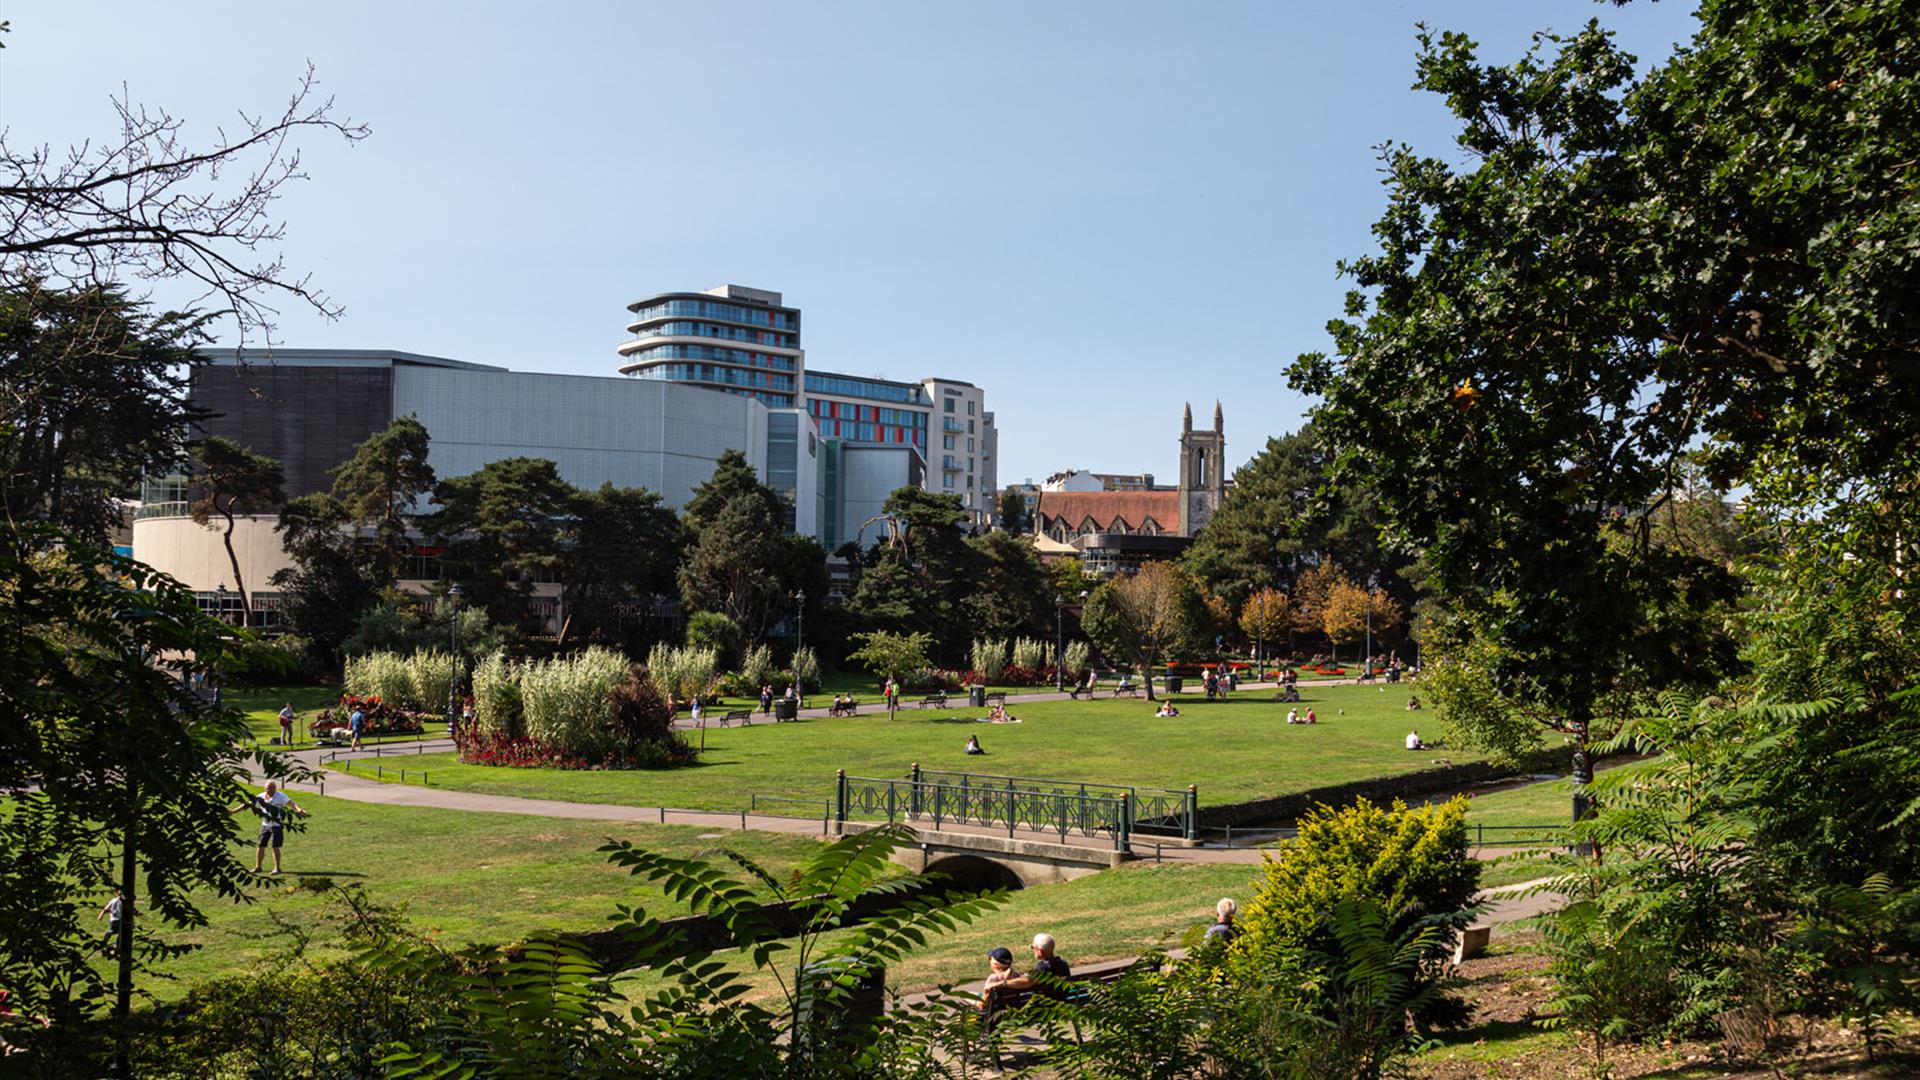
x,y
286,724
766,699
355,721
111,912
272,806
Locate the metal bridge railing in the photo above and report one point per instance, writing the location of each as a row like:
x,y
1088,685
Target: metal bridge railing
x,y
1003,806
1153,810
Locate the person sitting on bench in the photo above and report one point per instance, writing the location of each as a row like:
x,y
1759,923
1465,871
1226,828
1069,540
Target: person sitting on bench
x,y
1044,964
973,745
1000,959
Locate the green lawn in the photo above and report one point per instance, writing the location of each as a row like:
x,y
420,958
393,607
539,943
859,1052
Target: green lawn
x,y
1234,750
465,876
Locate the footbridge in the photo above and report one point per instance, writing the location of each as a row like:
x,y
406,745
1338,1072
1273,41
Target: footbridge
x,y
1012,831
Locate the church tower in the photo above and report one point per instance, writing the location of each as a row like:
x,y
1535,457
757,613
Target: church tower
x,y
1203,478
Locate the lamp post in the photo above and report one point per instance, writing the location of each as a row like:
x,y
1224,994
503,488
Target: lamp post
x,y
453,678
1059,641
800,642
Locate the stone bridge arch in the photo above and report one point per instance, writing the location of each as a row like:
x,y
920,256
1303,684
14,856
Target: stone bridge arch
x,y
974,873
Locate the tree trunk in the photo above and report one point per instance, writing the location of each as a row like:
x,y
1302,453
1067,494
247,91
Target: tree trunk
x,y
1146,673
123,995
246,609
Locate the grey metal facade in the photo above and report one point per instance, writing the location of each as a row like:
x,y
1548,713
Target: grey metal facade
x,y
308,418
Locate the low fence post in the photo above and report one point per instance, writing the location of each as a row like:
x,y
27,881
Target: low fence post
x,y
840,795
1010,809
913,793
1193,812
890,807
1123,833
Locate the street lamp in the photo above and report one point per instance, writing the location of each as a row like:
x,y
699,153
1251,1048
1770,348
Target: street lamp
x,y
800,642
453,678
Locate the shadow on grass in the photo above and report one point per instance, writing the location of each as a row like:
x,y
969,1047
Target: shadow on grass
x,y
1492,1031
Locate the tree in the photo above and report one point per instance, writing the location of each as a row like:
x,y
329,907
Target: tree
x,y
625,548
229,479
117,775
148,204
1013,511
1264,617
1147,616
379,485
505,527
328,584
732,478
1011,594
95,390
893,656
1350,613
1624,270
1310,593
734,567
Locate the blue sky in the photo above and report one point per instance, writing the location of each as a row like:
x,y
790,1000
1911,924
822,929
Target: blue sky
x,y
1095,211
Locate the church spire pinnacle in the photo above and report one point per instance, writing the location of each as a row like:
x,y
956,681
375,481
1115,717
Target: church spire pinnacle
x,y
1219,424
1186,417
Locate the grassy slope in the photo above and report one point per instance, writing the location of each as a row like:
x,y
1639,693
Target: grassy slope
x,y
1236,750
469,876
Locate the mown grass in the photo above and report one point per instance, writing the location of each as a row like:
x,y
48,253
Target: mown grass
x,y
261,706
463,876
1233,750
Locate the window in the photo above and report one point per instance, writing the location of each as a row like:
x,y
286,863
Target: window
x,y
949,404
969,444
970,408
948,482
969,483
969,427
946,442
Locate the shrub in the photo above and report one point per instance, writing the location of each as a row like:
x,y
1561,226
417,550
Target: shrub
x,y
567,701
496,698
1028,653
685,672
714,631
1078,660
382,675
756,669
429,679
1413,862
989,659
806,669
642,722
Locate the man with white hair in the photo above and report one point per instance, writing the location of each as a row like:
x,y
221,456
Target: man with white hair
x,y
1222,927
1044,963
271,804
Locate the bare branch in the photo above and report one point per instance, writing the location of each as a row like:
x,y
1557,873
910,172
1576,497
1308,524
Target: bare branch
x,y
150,206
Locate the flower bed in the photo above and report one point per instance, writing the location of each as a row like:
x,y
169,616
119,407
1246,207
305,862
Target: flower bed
x,y
534,754
377,718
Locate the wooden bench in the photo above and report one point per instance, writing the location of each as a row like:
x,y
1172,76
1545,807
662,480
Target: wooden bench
x,y
938,701
1076,989
745,716
843,708
1127,688
999,699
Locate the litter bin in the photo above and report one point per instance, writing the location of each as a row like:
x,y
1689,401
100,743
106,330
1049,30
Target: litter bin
x,y
1233,680
977,697
786,709
1173,683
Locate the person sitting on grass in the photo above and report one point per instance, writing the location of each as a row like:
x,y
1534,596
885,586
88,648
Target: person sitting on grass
x,y
1293,716
1167,709
1310,718
998,715
973,745
1413,704
1413,741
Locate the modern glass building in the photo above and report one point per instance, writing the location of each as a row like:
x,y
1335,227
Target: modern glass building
x,y
729,338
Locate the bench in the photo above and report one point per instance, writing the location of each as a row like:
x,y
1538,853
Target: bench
x,y
843,708
745,716
999,699
938,701
1076,990
1127,688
